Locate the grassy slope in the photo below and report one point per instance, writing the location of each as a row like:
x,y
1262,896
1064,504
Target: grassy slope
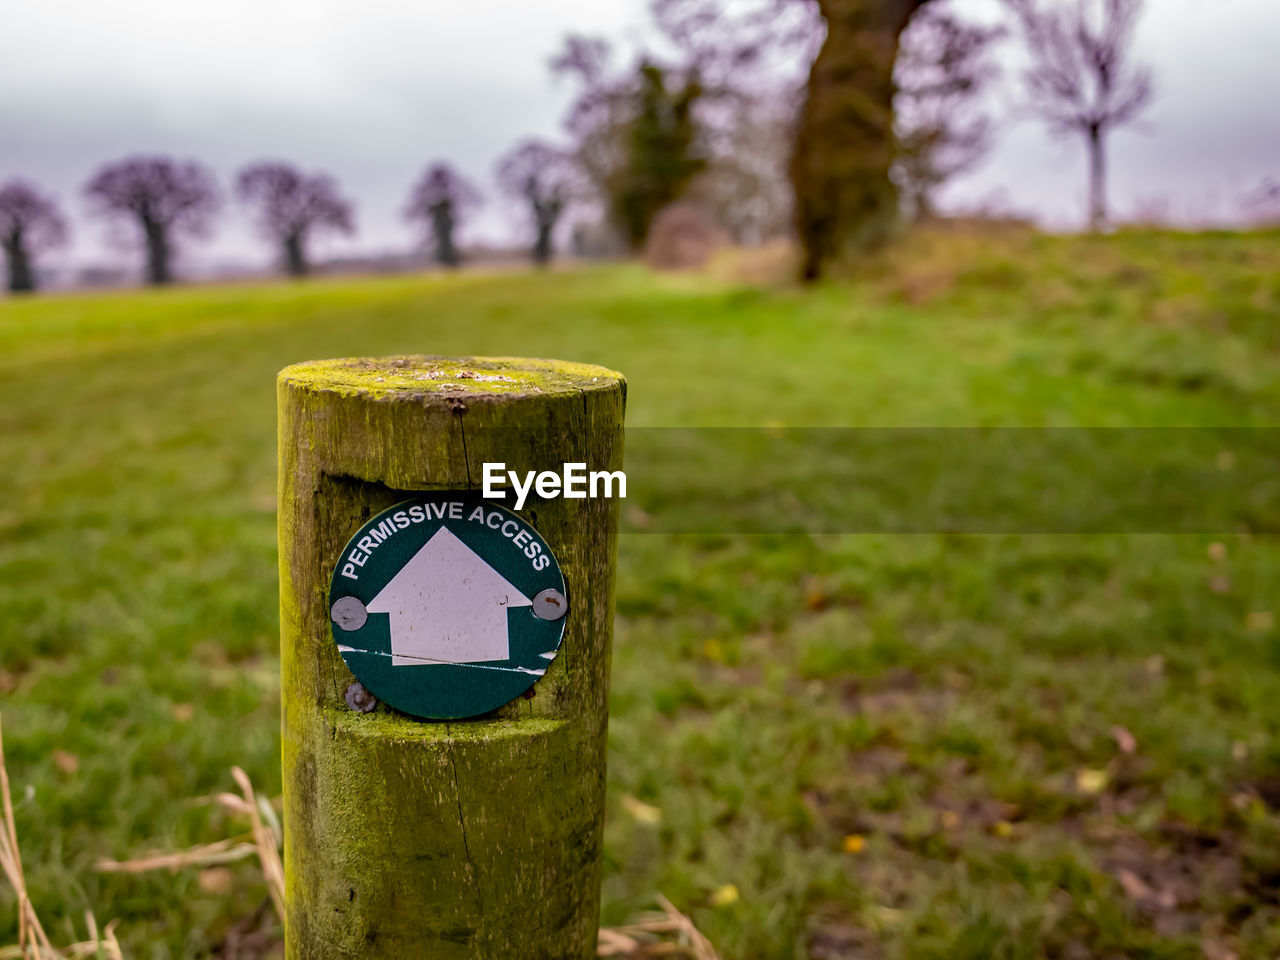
x,y
884,744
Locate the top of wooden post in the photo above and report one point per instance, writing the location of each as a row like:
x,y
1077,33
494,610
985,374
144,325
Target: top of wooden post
x,y
430,423
420,378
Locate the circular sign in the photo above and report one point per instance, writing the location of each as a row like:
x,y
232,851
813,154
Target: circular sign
x,y
446,606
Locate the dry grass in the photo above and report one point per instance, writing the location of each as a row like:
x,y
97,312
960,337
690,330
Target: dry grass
x,y
774,264
33,943
668,933
263,840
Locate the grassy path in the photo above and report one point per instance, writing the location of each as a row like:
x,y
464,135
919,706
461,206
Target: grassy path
x,y
899,746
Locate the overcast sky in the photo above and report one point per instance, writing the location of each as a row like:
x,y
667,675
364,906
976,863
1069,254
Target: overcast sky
x,y
370,91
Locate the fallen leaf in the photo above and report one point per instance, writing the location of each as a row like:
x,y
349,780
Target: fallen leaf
x,y
639,519
1091,781
644,812
1249,804
1259,621
1133,885
66,762
1125,740
815,598
723,896
1138,889
713,649
949,819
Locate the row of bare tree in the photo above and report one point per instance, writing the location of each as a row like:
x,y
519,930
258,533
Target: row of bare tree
x,y
892,106
162,199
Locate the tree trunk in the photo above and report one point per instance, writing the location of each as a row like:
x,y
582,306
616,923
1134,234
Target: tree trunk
x,y
1097,180
922,206
295,256
442,840
542,246
446,252
157,237
21,276
845,202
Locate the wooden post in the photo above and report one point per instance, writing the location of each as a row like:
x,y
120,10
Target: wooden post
x,y
458,839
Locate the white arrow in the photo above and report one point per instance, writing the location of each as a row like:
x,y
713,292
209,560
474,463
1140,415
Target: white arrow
x,y
447,605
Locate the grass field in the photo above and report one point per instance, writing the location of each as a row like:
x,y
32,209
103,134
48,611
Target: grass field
x,y
925,746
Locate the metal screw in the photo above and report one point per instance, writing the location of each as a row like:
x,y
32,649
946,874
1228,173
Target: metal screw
x,y
359,699
550,605
348,613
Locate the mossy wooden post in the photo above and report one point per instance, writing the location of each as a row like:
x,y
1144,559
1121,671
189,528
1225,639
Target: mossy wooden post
x,y
459,839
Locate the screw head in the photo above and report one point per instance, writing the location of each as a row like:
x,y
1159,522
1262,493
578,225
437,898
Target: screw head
x,y
348,613
550,605
359,699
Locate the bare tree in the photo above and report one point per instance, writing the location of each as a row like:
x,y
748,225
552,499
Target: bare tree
x,y
598,116
1081,79
292,206
743,45
600,124
638,138
843,144
542,176
745,186
163,197
29,223
940,124
750,56
1261,205
890,99
665,148
439,200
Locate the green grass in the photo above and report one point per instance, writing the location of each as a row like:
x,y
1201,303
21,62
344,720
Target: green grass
x,y
897,746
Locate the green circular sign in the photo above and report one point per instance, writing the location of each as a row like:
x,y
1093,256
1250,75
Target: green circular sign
x,y
446,606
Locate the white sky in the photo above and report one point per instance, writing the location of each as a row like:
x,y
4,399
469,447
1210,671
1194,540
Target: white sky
x,y
371,91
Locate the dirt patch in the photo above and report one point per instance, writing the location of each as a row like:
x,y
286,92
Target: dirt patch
x,y
898,691
1268,790
843,941
253,937
1178,879
1177,885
